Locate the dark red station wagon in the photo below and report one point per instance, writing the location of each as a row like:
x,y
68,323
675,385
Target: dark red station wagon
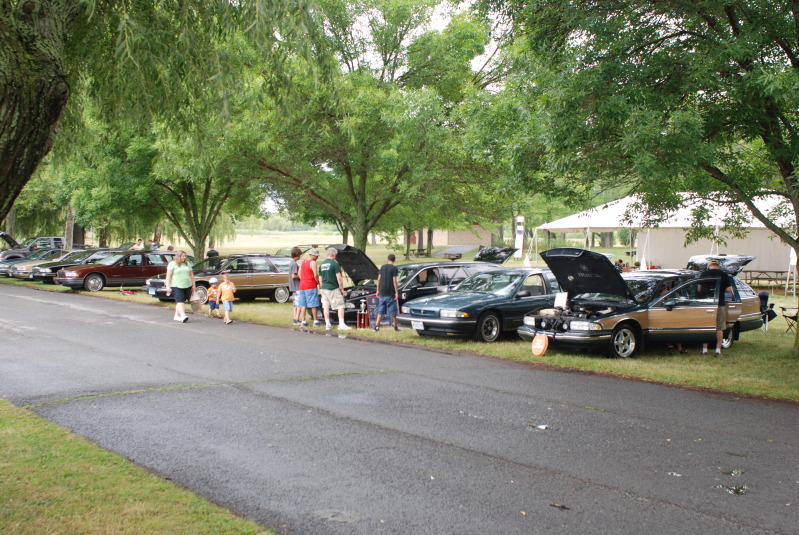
x,y
129,268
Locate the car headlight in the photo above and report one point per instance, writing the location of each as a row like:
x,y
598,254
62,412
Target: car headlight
x,y
45,270
453,314
585,326
70,274
406,310
529,320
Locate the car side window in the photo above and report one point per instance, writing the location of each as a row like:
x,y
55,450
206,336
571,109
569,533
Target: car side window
x,y
40,243
239,265
281,264
533,284
260,265
155,260
135,260
429,277
696,293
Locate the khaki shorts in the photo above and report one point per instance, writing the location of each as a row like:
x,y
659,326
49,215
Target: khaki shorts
x,y
332,299
721,319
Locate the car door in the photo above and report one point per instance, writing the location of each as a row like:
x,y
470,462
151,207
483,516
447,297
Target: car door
x,y
262,276
279,276
454,275
240,272
129,269
532,293
155,265
687,313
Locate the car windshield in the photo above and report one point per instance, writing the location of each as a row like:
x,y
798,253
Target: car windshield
x,y
214,263
501,284
75,255
27,242
41,254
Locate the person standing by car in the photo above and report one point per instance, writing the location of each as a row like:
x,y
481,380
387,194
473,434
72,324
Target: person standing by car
x,y
180,283
211,251
226,291
725,289
294,281
332,289
308,291
387,292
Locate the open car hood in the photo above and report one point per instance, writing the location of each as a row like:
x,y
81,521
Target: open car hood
x,y
732,264
12,243
354,262
581,271
494,255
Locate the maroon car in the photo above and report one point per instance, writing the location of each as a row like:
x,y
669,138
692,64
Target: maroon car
x,y
128,268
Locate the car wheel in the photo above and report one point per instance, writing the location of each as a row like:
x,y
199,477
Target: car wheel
x,y
489,328
94,282
281,295
623,343
729,338
202,293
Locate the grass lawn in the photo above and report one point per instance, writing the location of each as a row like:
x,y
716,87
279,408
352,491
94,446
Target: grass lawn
x,y
55,482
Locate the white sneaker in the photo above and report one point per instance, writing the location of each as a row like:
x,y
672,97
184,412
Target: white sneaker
x,y
328,327
344,327
184,319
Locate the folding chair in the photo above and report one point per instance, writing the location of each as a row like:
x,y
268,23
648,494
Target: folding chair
x,y
790,319
766,310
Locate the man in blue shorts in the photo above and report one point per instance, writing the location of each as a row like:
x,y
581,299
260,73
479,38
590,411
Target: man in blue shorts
x,y
387,292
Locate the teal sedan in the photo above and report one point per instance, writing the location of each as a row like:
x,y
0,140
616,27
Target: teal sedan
x,y
483,306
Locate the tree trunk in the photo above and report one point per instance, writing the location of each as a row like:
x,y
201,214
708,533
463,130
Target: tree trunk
x,y
10,222
69,229
429,242
408,234
33,88
103,237
420,243
157,232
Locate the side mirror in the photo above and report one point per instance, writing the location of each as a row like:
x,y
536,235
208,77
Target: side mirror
x,y
523,293
670,304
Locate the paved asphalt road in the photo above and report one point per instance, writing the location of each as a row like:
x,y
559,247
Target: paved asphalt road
x,y
315,434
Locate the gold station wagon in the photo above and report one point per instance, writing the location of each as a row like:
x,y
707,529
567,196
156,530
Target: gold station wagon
x,y
623,312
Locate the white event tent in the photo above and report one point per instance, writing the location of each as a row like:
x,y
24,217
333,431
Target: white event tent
x,y
664,245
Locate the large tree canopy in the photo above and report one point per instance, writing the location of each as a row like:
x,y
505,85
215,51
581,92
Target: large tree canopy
x,y
139,57
386,129
661,96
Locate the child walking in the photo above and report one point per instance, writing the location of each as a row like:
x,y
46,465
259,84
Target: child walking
x,y
226,290
214,295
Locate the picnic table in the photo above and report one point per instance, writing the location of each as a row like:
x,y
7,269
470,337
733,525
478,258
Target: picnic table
x,y
763,277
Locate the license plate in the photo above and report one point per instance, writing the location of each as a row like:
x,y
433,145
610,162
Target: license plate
x,y
417,325
151,290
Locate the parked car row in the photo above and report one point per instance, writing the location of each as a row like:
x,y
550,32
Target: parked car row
x,y
579,301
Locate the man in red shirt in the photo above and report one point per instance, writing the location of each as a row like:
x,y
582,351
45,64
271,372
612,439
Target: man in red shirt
x,y
308,294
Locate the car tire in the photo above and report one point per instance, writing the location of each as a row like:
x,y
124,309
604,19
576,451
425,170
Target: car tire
x,y
94,282
624,342
729,338
202,293
281,294
489,328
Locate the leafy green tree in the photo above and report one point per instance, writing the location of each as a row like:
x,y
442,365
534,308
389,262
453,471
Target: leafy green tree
x,y
662,97
141,58
385,130
193,192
